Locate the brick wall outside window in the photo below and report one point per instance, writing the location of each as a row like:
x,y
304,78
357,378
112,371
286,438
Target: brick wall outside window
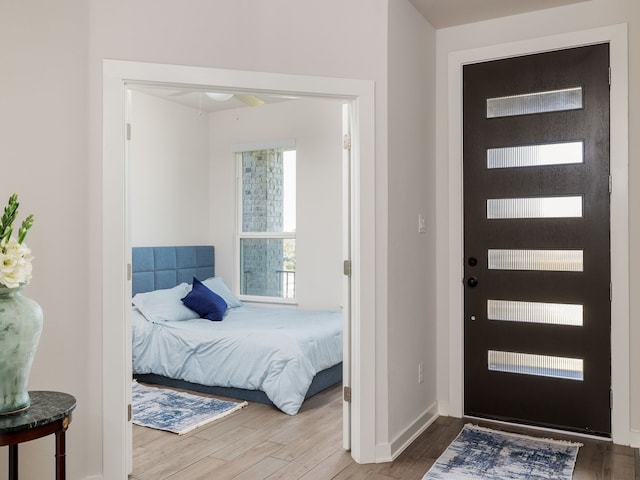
x,y
262,211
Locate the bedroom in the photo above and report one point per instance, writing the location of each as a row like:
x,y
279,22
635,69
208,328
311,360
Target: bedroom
x,y
173,142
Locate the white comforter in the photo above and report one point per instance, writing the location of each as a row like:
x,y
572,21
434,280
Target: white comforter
x,y
278,351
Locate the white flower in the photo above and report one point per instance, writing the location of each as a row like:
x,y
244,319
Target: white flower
x,y
15,256
15,263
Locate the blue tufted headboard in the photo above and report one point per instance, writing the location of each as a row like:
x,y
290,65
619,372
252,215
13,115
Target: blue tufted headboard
x,y
154,268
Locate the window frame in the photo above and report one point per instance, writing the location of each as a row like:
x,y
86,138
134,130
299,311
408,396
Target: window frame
x,y
238,150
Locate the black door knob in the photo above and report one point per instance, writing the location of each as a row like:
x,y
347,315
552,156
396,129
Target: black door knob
x,y
472,282
473,261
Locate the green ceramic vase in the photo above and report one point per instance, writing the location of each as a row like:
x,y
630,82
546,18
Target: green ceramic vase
x,y
20,329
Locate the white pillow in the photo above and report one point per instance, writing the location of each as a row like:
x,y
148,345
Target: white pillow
x,y
164,305
217,285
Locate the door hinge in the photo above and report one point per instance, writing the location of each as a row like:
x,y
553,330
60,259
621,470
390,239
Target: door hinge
x,y
129,413
610,292
128,131
610,184
346,141
611,398
609,76
128,271
347,394
347,268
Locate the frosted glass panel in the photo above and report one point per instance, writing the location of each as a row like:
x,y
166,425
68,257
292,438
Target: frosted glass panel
x,y
539,102
544,260
535,207
535,312
535,155
538,365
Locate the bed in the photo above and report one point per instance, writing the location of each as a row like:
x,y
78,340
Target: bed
x,y
279,356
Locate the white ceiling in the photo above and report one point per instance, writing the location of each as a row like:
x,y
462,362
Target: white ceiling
x,y
447,13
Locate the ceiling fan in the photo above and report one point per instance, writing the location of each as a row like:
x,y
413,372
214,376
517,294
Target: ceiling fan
x,y
249,100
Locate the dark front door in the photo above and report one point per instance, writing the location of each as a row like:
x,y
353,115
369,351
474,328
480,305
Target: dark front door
x,y
536,240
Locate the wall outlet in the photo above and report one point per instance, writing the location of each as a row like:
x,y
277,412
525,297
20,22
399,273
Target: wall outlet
x,y
420,372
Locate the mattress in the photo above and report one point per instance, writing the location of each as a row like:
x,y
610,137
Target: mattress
x,y
275,350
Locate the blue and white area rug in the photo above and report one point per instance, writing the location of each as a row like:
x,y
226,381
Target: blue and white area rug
x,y
481,453
176,412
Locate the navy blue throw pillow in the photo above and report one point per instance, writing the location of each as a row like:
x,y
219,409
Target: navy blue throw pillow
x,y
204,302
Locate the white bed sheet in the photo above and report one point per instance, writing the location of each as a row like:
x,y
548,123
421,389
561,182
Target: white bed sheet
x,y
278,351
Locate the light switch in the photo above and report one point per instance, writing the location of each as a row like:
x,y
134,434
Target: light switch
x,y
421,227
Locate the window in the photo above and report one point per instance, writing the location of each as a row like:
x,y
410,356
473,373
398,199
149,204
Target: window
x,y
267,223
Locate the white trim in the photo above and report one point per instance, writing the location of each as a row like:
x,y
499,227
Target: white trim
x,y
363,277
287,143
116,245
388,452
444,409
279,301
277,235
115,369
635,439
347,124
616,36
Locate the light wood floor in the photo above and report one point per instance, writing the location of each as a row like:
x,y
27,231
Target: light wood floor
x,y
259,442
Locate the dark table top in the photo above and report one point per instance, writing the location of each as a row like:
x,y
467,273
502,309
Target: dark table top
x,y
46,407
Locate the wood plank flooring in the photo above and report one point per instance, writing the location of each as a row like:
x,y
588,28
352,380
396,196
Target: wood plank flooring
x,y
261,443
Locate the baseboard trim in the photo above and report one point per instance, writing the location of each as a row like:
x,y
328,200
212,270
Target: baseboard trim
x,y
634,438
444,408
388,452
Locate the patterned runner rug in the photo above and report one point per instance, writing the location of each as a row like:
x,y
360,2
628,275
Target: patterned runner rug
x,y
480,453
176,412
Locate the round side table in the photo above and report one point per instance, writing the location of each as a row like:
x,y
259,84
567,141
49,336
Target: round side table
x,y
50,412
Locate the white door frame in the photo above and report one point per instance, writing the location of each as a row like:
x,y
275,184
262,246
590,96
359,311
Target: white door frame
x,y
116,251
347,122
616,36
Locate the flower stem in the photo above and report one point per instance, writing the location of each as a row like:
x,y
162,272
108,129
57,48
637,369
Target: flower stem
x,y
27,223
10,213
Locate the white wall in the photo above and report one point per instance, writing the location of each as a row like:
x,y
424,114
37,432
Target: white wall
x,y
316,127
43,153
169,170
411,327
587,15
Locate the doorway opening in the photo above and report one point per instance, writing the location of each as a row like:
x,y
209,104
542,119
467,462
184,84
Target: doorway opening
x,y
116,240
186,168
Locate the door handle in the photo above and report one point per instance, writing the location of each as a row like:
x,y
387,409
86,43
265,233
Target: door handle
x,y
472,282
